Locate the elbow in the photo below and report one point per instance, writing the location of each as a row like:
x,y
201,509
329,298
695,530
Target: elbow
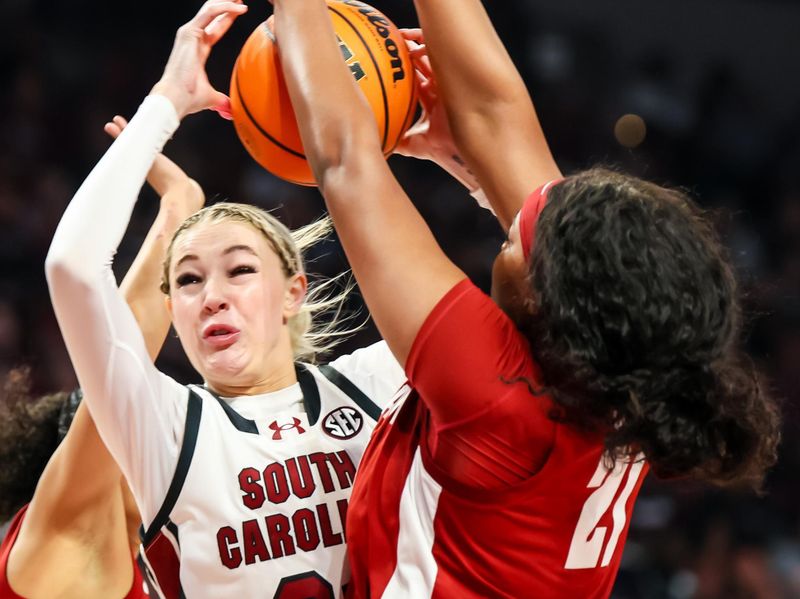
x,y
505,120
64,275
473,121
181,200
499,91
339,159
56,266
194,194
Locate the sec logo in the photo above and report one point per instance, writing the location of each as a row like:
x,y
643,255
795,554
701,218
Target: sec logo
x,y
343,423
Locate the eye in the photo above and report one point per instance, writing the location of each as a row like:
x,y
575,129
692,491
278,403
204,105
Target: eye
x,y
243,269
187,279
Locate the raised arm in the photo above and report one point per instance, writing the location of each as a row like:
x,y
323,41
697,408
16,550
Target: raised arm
x,y
400,269
79,492
181,196
138,411
82,471
430,137
488,106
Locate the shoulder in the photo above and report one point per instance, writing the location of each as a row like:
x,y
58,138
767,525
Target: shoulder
x,y
468,334
374,370
373,357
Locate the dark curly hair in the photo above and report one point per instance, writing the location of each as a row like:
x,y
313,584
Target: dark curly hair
x,y
636,325
29,434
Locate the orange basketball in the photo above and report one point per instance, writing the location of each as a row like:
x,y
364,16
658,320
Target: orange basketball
x,y
378,58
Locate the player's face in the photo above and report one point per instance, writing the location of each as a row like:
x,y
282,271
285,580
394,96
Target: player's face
x,y
509,274
230,302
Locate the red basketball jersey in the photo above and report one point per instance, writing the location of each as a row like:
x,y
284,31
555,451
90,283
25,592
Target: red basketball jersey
x,y
417,529
137,589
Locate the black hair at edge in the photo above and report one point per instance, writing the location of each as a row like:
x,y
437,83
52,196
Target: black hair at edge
x,y
636,324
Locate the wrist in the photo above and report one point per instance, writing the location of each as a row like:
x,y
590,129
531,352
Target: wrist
x,y
451,161
184,194
174,95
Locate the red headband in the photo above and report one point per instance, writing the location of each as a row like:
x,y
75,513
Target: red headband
x,y
529,215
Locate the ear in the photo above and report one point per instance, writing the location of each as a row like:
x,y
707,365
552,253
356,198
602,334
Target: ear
x,y
528,305
168,305
296,287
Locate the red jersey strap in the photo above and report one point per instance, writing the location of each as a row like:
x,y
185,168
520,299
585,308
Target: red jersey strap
x,y
6,592
5,549
474,372
139,589
160,563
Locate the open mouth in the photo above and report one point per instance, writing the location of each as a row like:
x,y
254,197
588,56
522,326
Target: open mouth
x,y
220,335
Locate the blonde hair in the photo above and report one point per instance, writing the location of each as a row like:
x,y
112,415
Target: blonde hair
x,y
308,338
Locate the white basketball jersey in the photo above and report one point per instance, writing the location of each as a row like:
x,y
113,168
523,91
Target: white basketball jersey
x,y
257,509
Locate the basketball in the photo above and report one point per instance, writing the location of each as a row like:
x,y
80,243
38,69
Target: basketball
x,y
377,56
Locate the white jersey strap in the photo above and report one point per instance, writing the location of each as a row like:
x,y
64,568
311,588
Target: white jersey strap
x,y
369,407
194,410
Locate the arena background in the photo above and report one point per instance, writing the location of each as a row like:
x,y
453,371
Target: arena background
x,y
715,82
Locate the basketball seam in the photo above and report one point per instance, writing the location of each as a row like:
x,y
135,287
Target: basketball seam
x,y
259,127
377,71
412,102
384,97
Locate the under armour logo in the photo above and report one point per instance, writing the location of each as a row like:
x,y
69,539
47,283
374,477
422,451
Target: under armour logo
x,y
279,428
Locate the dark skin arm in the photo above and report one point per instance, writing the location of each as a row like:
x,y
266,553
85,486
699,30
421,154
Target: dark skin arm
x,y
400,269
489,109
76,520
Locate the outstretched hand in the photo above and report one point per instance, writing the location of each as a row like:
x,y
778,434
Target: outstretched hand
x,y
431,131
430,137
184,81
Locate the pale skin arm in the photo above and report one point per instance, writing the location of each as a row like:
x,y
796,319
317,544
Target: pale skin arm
x,y
400,269
489,109
78,503
181,197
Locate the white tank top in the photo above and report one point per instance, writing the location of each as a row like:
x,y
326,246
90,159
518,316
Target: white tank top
x,y
265,516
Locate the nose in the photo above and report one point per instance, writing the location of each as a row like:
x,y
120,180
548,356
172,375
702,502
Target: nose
x,y
214,299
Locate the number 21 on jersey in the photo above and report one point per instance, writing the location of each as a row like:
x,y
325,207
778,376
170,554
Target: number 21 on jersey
x,y
592,545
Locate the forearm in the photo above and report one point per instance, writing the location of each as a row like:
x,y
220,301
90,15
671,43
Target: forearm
x,y
473,69
123,390
166,176
82,286
489,109
80,248
332,124
400,270
140,287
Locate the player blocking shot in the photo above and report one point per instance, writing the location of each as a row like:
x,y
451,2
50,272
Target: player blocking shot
x,y
610,345
242,482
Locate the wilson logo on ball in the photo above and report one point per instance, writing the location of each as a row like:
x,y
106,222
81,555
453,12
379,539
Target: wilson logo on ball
x,y
355,66
343,423
383,27
377,56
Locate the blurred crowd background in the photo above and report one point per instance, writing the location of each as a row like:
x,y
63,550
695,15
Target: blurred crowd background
x,y
702,94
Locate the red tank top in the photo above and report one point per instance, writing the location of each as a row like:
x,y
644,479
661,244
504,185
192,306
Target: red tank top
x,y
425,518
6,592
